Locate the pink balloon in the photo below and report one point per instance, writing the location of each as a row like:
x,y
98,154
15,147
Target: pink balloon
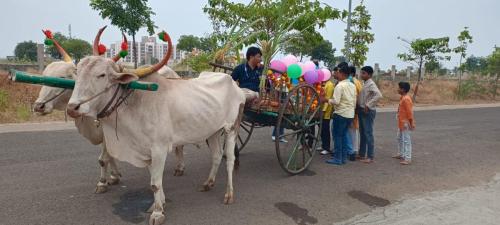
x,y
302,66
321,75
311,77
290,59
278,65
309,66
327,74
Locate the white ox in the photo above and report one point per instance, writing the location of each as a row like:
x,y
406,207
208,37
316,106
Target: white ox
x,y
52,98
143,131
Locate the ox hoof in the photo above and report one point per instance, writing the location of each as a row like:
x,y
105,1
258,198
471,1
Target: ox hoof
x,y
229,198
205,187
101,189
178,173
114,180
156,218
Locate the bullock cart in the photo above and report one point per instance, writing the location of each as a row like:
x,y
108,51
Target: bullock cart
x,y
296,109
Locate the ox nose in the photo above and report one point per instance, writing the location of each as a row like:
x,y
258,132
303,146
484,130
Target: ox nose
x,y
39,107
73,110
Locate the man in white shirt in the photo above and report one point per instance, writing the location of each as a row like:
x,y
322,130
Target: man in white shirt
x,y
344,102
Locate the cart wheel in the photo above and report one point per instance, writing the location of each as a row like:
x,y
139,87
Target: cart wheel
x,y
300,116
246,129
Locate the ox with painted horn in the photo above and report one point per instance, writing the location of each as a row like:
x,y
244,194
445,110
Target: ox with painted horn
x,y
146,129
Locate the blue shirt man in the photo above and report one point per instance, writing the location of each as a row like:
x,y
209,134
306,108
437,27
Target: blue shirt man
x,y
248,74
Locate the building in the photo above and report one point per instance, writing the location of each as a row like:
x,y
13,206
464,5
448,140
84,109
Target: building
x,y
149,51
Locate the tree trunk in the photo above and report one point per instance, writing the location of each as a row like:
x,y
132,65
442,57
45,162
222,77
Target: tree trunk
x,y
134,49
418,80
460,71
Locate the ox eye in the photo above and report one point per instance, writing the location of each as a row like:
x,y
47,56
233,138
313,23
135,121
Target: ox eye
x,y
101,76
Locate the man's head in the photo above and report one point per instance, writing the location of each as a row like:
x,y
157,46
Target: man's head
x,y
366,73
352,71
335,71
254,56
404,88
343,72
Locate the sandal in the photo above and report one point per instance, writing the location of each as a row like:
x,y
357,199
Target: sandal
x,y
405,162
398,156
366,161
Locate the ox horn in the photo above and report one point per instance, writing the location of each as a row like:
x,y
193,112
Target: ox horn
x,y
96,45
124,49
64,54
142,72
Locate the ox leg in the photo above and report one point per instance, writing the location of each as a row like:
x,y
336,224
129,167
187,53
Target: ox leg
x,y
216,150
158,158
179,154
115,175
102,185
230,158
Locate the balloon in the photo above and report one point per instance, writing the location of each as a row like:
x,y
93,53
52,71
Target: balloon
x,y
290,59
302,66
278,65
294,71
295,81
327,74
311,77
309,66
321,75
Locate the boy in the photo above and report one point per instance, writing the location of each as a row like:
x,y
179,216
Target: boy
x,y
367,104
344,102
327,114
406,124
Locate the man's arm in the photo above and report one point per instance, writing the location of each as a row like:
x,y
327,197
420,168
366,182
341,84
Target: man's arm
x,y
236,73
377,95
337,95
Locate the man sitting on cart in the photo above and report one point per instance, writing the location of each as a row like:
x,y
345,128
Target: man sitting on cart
x,y
248,74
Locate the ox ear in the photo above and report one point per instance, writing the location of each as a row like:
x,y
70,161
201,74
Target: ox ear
x,y
125,78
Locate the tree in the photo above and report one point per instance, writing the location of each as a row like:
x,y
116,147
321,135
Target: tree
x,y
301,44
360,37
266,22
26,50
128,15
77,48
422,51
188,43
475,64
324,52
209,43
494,67
465,39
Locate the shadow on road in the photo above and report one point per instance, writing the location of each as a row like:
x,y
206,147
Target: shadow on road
x,y
133,205
299,215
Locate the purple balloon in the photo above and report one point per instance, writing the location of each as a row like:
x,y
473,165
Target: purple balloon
x,y
311,77
278,65
321,75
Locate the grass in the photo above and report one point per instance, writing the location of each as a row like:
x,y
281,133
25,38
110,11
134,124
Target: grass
x,y
4,100
23,113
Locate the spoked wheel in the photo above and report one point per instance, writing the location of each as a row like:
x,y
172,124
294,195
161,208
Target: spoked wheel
x,y
300,116
246,129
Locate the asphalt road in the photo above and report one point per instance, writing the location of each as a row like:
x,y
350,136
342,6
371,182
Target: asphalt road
x,y
49,177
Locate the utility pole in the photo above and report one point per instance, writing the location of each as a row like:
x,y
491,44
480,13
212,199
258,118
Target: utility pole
x,y
348,35
69,30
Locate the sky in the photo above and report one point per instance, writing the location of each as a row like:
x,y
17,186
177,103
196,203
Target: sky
x,y
22,20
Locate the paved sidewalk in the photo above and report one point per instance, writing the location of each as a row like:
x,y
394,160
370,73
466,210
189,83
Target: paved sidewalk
x,y
473,205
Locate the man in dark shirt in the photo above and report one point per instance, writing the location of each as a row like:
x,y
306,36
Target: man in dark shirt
x,y
248,74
